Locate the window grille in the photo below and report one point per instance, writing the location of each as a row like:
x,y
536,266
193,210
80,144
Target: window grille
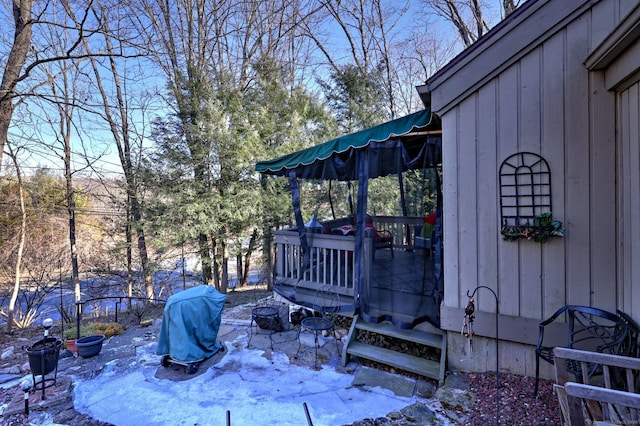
x,y
525,189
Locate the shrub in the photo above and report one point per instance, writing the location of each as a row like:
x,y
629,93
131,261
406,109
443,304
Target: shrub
x,y
71,331
109,329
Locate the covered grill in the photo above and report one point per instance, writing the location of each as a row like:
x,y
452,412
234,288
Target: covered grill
x,y
190,325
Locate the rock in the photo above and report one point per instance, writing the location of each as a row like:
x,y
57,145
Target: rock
x,y
7,353
14,370
395,415
351,367
364,422
425,389
454,398
457,381
419,414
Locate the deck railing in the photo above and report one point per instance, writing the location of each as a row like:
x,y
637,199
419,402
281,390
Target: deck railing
x,y
331,261
403,229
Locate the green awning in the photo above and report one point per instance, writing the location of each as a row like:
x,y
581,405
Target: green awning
x,y
336,159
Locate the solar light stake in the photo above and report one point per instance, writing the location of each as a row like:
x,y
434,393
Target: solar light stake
x,y
26,385
470,296
48,323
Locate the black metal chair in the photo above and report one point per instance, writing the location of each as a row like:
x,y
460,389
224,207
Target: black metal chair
x,y
265,315
631,345
381,238
326,303
589,329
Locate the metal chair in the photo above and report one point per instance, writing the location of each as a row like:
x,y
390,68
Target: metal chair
x,y
631,345
266,316
589,329
381,238
326,302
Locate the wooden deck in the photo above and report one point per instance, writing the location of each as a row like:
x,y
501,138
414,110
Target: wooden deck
x,y
398,287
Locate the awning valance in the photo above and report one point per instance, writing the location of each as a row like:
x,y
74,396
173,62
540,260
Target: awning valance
x,y
409,142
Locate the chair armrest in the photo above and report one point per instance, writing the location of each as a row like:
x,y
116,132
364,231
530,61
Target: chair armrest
x,y
546,322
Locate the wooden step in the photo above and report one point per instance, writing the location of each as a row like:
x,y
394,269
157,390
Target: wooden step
x,y
387,329
399,360
414,364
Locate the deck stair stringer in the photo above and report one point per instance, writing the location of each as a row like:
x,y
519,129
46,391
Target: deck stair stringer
x,y
425,367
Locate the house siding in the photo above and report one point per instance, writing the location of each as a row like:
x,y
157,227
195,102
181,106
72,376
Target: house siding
x,y
544,100
629,137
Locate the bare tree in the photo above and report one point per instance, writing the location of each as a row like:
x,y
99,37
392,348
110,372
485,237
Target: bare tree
x,y
116,111
468,16
509,6
377,39
63,85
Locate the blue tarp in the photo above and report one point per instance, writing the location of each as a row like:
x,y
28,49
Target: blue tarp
x,y
190,324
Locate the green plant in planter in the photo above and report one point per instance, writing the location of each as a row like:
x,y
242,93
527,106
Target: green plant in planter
x,y
543,228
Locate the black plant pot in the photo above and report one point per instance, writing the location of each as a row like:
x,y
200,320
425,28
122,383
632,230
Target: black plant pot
x,y
43,355
90,346
43,359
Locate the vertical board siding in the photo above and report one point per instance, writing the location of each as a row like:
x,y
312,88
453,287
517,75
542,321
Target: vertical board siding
x,y
634,141
623,264
450,209
546,102
539,104
577,179
603,198
603,18
467,196
625,213
487,211
629,134
507,141
529,140
553,150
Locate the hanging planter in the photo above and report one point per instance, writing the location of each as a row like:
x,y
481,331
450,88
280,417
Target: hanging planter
x,y
543,228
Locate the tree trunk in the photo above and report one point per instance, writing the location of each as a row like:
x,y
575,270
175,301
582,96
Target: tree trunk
x,y
247,260
15,61
129,238
224,279
268,253
71,209
205,258
142,244
22,238
240,277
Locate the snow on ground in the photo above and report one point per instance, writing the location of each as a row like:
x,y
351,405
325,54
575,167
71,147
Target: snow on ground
x,y
255,390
